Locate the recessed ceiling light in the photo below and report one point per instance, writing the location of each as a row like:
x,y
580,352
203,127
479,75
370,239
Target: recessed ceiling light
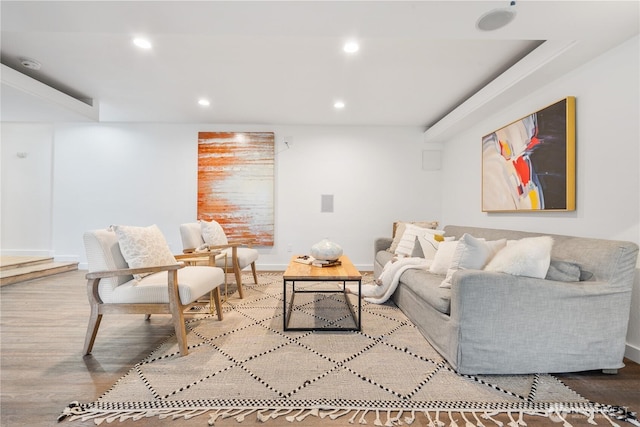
x,y
338,105
204,102
351,47
29,63
497,18
142,43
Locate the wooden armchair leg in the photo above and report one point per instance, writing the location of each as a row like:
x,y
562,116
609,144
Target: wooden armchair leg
x,y
181,330
255,274
236,272
177,313
216,301
92,330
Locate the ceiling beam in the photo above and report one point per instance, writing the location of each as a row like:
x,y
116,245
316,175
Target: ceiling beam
x,y
528,66
33,87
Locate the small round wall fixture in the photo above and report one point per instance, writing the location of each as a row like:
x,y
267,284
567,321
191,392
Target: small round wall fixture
x,y
497,18
29,63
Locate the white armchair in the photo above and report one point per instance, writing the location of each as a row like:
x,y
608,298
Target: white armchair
x,y
196,234
116,286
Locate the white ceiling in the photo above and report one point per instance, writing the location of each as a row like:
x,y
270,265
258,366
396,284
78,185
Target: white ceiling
x,y
269,62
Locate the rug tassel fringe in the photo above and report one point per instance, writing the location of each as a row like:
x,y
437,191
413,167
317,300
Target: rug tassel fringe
x,y
411,419
394,417
478,422
488,416
467,423
453,422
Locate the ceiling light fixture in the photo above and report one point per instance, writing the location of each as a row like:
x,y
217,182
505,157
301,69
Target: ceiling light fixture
x,y
142,43
351,47
204,102
339,105
497,18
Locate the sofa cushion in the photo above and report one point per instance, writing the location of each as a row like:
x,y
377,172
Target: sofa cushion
x,y
529,257
427,287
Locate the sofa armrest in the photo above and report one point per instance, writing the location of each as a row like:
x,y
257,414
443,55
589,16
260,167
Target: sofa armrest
x,y
558,318
381,244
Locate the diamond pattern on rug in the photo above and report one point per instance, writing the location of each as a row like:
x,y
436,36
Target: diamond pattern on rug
x,y
247,361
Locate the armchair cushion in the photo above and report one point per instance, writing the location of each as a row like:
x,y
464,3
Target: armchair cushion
x,y
245,257
143,247
193,282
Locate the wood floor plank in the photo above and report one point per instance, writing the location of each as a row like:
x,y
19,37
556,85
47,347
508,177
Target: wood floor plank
x,y
43,323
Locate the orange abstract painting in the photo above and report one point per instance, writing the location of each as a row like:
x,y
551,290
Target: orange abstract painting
x,y
236,184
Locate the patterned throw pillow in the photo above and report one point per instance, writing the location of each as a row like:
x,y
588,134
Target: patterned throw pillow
x,y
143,247
400,227
212,233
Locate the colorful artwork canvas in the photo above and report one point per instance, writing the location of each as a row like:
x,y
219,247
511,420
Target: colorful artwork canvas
x,y
236,184
529,165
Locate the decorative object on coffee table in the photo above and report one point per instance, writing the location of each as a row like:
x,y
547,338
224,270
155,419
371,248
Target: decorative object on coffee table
x,y
326,250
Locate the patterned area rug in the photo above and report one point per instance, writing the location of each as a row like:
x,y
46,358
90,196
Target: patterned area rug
x,y
246,365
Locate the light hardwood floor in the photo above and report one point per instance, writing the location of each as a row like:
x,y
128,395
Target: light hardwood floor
x,y
43,323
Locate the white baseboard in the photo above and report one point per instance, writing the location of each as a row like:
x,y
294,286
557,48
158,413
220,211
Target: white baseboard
x,y
67,258
26,252
632,353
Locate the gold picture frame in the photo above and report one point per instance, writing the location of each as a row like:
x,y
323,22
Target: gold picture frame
x,y
530,164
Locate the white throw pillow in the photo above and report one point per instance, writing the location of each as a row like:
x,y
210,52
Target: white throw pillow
x,y
143,247
408,240
529,257
443,258
212,233
399,227
429,241
471,253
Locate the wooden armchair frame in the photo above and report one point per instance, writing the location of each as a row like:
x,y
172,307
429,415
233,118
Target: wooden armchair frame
x,y
174,307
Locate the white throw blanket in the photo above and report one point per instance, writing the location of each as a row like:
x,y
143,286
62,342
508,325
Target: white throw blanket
x,y
389,278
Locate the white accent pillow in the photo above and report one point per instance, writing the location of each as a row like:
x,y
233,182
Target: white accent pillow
x,y
529,257
212,233
471,253
399,227
408,240
143,247
443,258
429,241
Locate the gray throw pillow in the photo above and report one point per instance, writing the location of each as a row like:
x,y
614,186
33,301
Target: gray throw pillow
x,y
563,271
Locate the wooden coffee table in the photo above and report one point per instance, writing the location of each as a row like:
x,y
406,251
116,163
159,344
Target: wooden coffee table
x,y
297,272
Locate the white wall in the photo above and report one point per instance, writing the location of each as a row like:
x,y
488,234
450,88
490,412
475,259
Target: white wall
x,y
139,174
26,152
607,92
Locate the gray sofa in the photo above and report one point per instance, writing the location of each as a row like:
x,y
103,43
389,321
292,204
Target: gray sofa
x,y
497,323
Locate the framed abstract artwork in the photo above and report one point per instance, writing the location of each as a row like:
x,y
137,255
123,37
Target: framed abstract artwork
x,y
530,164
236,184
